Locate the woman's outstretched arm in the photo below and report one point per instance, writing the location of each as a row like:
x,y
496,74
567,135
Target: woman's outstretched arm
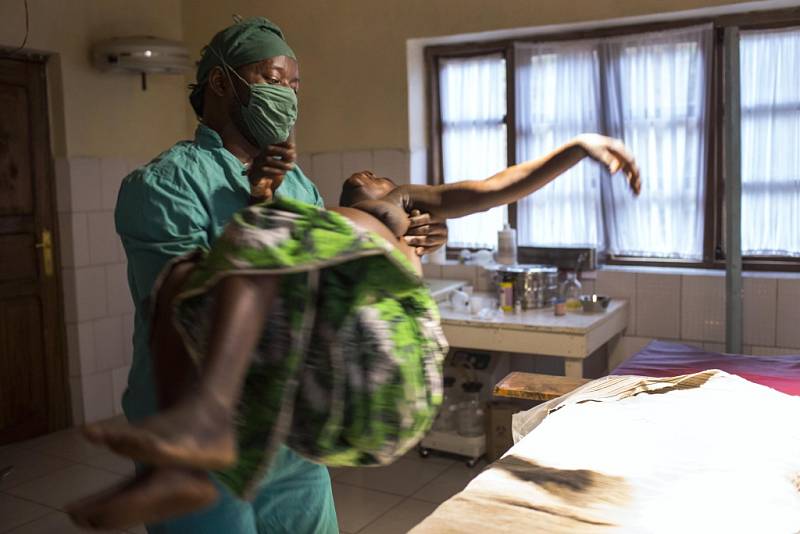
x,y
464,198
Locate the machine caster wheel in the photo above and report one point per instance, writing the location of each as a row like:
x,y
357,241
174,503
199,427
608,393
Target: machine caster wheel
x,y
423,452
472,462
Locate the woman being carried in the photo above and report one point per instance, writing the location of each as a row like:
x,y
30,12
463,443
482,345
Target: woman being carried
x,y
304,326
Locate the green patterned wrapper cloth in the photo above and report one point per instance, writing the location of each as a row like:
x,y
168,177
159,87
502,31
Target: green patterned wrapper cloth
x,y
348,370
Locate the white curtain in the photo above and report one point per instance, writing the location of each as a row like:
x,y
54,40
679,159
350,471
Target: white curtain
x,y
770,97
558,97
657,98
650,90
473,108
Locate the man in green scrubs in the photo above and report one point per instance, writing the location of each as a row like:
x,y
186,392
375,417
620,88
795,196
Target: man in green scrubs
x,y
245,97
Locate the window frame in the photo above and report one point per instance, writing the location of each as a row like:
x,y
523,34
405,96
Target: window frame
x,y
713,229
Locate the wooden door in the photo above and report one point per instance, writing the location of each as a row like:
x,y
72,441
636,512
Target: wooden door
x,y
33,392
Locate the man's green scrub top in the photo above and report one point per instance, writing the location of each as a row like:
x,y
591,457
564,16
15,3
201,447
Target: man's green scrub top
x,y
178,202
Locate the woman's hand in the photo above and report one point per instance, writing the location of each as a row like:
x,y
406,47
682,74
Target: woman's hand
x,y
613,154
266,173
425,234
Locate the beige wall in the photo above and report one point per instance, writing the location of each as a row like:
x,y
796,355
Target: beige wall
x,y
353,52
95,114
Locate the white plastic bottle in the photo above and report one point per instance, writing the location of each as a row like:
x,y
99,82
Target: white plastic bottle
x,y
507,246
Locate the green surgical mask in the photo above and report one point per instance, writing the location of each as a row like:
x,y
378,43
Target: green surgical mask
x,y
270,113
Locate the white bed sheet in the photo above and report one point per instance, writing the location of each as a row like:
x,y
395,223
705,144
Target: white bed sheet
x,y
723,457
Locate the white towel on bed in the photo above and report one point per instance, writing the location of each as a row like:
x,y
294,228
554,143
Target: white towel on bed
x,y
712,454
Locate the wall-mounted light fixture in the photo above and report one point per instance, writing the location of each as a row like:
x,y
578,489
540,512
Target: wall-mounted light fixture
x,y
141,55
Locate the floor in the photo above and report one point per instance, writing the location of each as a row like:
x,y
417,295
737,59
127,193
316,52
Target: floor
x,y
55,469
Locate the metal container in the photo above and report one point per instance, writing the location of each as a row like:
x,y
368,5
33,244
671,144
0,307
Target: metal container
x,y
594,303
534,286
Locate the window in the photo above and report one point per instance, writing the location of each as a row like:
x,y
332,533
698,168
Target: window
x,y
770,96
661,93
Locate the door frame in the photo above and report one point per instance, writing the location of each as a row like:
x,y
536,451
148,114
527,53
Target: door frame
x,y
59,405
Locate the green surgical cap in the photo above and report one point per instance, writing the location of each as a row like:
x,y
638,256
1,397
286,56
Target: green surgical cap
x,y
247,41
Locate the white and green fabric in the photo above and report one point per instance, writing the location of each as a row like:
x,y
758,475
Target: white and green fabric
x,y
348,371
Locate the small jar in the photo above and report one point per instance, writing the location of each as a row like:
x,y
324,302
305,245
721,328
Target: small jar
x,y
560,307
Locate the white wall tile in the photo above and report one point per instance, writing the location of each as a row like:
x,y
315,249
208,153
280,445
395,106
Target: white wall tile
x,y
760,306
74,234
456,271
327,175
76,400
623,349
620,285
356,161
788,318
85,188
89,297
431,270
304,162
127,339
715,347
80,346
108,343
70,298
112,171
73,350
103,239
392,164
772,351
119,381
98,396
703,308
63,185
658,305
118,292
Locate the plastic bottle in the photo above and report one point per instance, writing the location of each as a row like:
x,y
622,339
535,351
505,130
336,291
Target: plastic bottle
x,y
507,246
572,292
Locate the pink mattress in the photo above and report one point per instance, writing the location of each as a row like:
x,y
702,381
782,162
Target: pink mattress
x,y
660,358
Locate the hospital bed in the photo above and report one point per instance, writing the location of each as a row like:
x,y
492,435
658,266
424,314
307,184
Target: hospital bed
x,y
716,449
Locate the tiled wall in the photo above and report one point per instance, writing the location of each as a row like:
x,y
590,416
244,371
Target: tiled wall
x,y
686,306
97,305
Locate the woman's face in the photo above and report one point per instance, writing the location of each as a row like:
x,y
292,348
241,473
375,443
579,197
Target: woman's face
x,y
366,186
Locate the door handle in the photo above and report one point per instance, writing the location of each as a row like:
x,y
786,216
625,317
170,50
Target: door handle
x,y
46,246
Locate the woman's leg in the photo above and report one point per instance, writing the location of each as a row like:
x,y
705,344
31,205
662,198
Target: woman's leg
x,y
196,430
197,426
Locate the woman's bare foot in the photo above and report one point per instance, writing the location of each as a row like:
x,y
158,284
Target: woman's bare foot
x,y
197,433
152,497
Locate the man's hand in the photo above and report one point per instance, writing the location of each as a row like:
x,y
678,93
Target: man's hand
x,y
266,173
613,154
424,234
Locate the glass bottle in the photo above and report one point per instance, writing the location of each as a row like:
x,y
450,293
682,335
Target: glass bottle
x,y
572,292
